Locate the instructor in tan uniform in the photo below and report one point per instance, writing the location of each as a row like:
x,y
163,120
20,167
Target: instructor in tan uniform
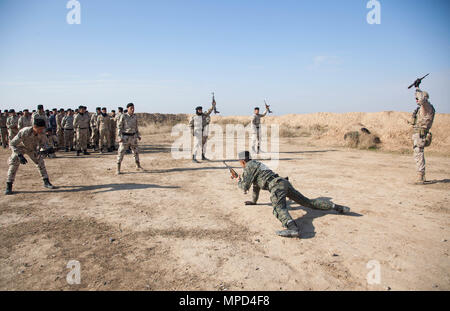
x,y
128,135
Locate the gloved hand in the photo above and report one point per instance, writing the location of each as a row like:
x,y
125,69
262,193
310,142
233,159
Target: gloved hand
x,y
250,203
22,159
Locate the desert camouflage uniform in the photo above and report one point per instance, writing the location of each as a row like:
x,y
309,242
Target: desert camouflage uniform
x,y
199,129
256,132
36,115
94,128
112,130
104,127
12,123
261,177
81,125
24,122
128,133
3,129
422,121
60,130
27,143
67,125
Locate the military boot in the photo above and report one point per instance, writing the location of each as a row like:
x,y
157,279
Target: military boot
x,y
78,153
138,166
341,209
47,184
292,231
118,169
86,152
420,179
194,160
8,190
204,158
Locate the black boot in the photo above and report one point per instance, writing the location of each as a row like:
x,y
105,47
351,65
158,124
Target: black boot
x,y
86,153
204,158
8,190
78,153
292,230
67,149
47,184
194,159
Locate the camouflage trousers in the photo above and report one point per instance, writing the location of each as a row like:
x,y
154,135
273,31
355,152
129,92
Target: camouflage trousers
x,y
14,164
280,189
94,137
128,142
255,139
68,139
82,139
200,141
113,138
61,140
12,133
104,138
4,136
419,152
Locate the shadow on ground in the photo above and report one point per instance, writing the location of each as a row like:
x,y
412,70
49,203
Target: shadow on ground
x,y
102,188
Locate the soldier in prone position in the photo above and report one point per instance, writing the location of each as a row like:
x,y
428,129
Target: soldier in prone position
x,y
28,141
261,177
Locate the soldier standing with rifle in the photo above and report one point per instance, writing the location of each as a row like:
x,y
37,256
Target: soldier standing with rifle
x,y
256,131
421,121
29,141
199,129
262,178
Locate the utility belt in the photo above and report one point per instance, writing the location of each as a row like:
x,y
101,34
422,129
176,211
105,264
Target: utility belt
x,y
271,178
68,129
128,134
423,132
83,128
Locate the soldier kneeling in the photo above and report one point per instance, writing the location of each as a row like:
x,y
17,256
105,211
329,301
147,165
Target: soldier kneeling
x,y
261,177
29,141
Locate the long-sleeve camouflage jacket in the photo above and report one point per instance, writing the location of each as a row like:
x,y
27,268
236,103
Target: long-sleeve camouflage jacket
x,y
258,175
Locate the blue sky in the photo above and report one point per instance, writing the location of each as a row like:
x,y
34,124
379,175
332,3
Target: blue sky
x,y
168,56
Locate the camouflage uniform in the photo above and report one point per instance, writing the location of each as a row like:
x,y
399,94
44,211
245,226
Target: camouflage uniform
x,y
94,128
256,132
128,133
3,129
112,130
81,125
24,122
199,129
36,115
422,121
60,129
12,123
261,177
67,125
26,143
104,126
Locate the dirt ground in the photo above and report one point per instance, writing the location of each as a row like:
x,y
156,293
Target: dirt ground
x,y
183,226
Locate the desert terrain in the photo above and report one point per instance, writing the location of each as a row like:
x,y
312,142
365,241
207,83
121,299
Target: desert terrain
x,y
183,226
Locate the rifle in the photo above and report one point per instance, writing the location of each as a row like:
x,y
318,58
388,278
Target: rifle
x,y
214,104
417,82
267,107
232,171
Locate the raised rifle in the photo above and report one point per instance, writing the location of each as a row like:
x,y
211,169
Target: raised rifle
x,y
214,104
417,82
267,107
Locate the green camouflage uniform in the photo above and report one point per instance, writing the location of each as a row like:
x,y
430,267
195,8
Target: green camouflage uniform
x,y
261,177
3,129
12,123
24,122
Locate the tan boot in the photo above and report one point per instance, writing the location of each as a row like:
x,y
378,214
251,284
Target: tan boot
x,y
118,169
420,179
138,166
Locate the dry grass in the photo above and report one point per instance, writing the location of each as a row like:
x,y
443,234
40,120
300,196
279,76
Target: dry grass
x,y
330,128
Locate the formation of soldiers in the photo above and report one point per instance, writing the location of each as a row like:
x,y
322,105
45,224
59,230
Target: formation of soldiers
x,y
38,134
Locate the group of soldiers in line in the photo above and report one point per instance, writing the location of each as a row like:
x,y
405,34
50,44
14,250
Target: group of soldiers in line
x,y
37,137
61,126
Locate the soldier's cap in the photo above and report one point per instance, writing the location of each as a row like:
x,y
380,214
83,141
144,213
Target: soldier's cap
x,y
80,107
256,108
113,111
61,110
244,155
103,108
98,108
198,108
39,123
6,110
26,110
120,108
11,111
54,109
40,107
130,105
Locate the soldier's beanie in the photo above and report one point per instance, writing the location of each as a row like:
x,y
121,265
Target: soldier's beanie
x,y
80,107
130,105
39,123
11,111
113,111
244,155
256,108
199,108
6,110
40,107
26,110
98,108
103,108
